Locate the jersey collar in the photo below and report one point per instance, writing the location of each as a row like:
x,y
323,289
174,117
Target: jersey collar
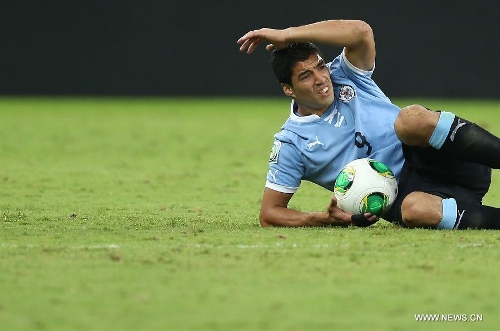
x,y
309,118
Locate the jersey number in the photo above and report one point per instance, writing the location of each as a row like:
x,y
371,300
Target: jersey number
x,y
360,142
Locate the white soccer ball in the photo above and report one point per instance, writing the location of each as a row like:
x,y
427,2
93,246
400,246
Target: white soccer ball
x,y
365,186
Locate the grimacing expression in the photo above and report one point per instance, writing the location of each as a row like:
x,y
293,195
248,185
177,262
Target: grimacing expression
x,y
312,86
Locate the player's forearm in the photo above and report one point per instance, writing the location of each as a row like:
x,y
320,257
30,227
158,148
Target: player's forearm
x,y
285,217
333,32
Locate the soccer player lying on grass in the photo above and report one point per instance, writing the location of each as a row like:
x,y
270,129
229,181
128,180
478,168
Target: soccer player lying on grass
x,y
338,114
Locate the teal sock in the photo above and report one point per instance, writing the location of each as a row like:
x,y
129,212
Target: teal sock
x,y
449,214
465,214
465,141
442,129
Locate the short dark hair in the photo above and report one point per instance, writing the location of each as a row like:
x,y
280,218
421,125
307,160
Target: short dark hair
x,y
283,60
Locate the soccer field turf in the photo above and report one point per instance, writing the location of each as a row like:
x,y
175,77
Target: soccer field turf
x,y
142,214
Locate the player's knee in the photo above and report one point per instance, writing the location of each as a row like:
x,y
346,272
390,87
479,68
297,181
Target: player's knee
x,y
417,213
263,219
415,124
411,211
405,122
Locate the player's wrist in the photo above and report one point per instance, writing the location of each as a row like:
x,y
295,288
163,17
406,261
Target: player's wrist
x,y
290,35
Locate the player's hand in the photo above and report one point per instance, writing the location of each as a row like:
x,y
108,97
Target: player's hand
x,y
341,218
364,220
337,216
252,39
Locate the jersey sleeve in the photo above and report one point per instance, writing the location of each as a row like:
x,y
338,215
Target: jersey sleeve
x,y
286,168
361,78
353,71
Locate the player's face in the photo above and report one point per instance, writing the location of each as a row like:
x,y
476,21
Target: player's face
x,y
312,86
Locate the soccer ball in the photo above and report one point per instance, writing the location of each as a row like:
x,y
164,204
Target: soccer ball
x,y
365,186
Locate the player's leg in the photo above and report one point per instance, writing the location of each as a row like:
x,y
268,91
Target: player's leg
x,y
438,192
421,210
448,133
415,124
424,210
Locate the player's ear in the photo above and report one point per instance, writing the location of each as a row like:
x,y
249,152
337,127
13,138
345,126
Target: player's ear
x,y
287,89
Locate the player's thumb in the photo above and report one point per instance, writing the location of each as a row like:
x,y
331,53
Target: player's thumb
x,y
270,47
333,201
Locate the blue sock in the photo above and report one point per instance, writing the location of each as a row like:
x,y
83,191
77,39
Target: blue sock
x,y
442,129
449,214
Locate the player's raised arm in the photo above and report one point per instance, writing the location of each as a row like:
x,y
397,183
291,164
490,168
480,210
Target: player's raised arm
x,y
354,35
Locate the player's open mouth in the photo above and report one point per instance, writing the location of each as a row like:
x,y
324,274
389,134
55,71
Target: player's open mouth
x,y
324,90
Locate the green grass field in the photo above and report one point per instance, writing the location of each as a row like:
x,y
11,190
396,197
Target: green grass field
x,y
142,214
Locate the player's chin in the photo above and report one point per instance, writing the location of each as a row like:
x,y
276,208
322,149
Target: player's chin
x,y
324,103
326,100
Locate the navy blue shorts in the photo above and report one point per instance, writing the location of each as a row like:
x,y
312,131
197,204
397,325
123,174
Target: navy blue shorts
x,y
431,171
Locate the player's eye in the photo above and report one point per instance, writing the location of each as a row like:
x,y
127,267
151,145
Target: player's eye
x,y
305,76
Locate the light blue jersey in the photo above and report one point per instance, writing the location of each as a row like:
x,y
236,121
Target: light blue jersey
x,y
359,123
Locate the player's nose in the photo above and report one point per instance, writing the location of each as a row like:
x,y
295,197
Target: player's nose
x,y
320,78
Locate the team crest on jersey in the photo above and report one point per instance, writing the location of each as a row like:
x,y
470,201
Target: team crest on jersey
x,y
275,152
346,93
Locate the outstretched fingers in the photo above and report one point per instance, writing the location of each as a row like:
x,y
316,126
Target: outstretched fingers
x,y
249,45
252,39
